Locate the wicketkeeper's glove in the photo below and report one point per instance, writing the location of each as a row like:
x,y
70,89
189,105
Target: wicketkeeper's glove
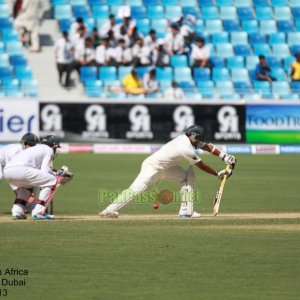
x,y
66,174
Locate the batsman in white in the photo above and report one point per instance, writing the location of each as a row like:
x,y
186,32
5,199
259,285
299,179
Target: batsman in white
x,y
8,151
164,165
32,168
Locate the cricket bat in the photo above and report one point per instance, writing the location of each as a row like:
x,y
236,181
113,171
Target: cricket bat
x,y
219,193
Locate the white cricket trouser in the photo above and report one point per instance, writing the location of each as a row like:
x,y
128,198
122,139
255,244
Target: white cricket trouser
x,y
149,175
26,178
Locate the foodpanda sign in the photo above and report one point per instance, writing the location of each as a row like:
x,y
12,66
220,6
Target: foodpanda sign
x,y
18,117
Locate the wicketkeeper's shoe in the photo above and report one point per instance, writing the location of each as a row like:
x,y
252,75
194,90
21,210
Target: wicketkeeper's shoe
x,y
108,214
43,217
19,217
194,215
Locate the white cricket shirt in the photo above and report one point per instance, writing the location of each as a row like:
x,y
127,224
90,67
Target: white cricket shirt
x,y
173,153
7,152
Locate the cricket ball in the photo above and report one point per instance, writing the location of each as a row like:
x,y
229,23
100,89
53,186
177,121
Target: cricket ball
x,y
155,206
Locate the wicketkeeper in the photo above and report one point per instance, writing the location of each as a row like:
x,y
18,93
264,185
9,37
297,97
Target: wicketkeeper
x,y
32,168
164,165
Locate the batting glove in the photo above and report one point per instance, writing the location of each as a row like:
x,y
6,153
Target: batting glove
x,y
229,160
224,172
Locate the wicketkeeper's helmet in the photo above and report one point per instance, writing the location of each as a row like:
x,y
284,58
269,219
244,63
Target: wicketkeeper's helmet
x,y
29,139
196,134
51,140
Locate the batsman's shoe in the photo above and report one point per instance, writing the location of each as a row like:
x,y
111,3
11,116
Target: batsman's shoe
x,y
43,217
19,217
194,215
108,214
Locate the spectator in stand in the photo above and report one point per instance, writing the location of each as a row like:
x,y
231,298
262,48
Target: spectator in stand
x,y
174,41
64,58
103,54
295,68
263,71
77,25
121,33
79,37
132,84
95,37
141,53
112,41
151,40
107,26
28,21
185,30
160,57
84,55
174,92
200,54
134,36
128,23
122,55
150,82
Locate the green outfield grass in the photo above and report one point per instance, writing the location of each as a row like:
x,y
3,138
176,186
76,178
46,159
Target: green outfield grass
x,y
160,259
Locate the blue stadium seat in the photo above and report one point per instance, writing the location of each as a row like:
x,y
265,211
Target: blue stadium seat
x,y
141,71
160,26
228,13
217,62
155,12
224,50
231,25
239,38
290,97
115,2
220,74
4,11
220,38
293,38
152,2
213,26
164,84
201,74
178,61
274,62
164,73
245,13
285,26
4,60
100,11
182,74
295,87
262,87
260,3
279,74
243,3
280,88
2,48
6,23
173,12
240,75
187,86
93,88
264,13
295,49
277,38
11,88
14,48
200,27
97,2
252,74
224,2
251,62
282,13
62,12
29,87
123,71
78,2
143,26
281,50
261,49
23,73
224,88
250,26
287,63
18,60
210,13
9,35
297,24
235,62
64,25
88,73
294,3
257,38
206,88
296,12
276,3
242,50
80,11
203,3
191,10
243,87
187,3
169,2
59,2
267,26
138,12
133,3
107,73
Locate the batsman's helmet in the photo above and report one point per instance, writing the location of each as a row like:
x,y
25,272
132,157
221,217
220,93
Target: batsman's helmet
x,y
51,140
196,134
29,139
